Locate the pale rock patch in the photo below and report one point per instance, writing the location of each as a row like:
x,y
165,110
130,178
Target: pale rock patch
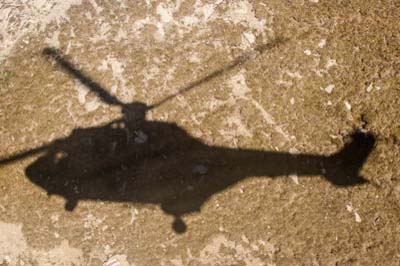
x,y
96,7
238,85
64,255
240,90
20,17
242,12
121,35
15,251
53,41
248,39
220,250
120,88
194,58
237,123
82,92
165,13
12,243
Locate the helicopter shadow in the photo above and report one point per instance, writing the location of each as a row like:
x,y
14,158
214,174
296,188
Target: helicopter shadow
x,y
151,162
173,169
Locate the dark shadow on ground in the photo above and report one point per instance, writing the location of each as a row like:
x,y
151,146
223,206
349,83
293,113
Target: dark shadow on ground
x,y
140,161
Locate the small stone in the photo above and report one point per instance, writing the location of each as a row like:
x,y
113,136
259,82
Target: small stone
x,y
370,87
329,89
294,178
357,216
348,105
322,43
307,52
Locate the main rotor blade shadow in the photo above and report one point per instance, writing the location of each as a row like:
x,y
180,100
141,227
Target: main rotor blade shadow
x,y
244,58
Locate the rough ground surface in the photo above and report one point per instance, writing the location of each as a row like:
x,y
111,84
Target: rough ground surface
x,y
335,69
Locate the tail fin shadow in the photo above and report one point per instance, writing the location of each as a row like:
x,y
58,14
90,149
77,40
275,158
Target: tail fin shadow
x,y
342,168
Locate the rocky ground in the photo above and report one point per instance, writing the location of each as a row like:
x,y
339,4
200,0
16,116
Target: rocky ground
x,y
289,79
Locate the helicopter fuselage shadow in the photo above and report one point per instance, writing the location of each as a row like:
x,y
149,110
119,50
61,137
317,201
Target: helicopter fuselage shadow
x,y
172,168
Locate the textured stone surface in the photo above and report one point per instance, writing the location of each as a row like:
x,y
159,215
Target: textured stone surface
x,y
285,76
